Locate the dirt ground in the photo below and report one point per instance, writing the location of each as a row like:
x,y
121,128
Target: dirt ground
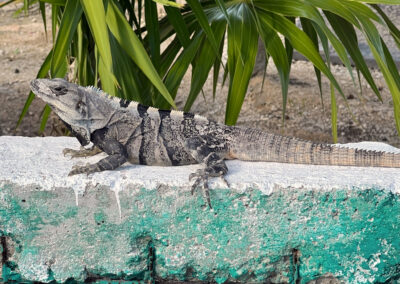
x,y
23,47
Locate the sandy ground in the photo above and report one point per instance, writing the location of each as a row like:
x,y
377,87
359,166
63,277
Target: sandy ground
x,y
23,47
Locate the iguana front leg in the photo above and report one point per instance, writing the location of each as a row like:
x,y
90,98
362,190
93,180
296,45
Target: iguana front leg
x,y
117,157
82,152
213,165
107,164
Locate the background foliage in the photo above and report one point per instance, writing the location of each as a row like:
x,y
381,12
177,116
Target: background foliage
x,y
117,43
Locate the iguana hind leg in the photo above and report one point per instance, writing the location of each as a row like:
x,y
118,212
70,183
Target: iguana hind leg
x,y
82,152
214,165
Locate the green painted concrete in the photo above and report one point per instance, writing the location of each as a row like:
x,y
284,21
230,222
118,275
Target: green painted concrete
x,y
289,236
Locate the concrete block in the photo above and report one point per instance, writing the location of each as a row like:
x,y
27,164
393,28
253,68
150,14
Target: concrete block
x,y
276,222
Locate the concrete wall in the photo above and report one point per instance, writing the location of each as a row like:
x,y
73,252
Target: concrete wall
x,y
276,222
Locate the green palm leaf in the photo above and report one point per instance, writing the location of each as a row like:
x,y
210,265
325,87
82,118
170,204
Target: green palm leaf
x,y
69,22
275,48
301,42
96,18
203,62
348,36
113,39
241,57
133,47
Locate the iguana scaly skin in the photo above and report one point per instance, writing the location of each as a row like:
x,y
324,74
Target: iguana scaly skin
x,y
128,131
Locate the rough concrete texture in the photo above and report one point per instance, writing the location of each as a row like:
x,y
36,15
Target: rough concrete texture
x,y
277,222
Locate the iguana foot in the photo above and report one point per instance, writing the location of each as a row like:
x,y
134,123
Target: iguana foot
x,y
82,152
107,164
214,167
87,169
201,177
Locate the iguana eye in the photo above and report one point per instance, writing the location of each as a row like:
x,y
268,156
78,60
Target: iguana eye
x,y
59,91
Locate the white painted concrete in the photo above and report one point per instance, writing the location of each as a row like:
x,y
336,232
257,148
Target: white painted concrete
x,y
39,161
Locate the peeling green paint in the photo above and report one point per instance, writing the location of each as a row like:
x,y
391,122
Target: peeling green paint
x,y
288,236
9,273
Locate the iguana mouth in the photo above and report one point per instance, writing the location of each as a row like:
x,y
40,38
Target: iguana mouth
x,y
34,85
37,88
43,91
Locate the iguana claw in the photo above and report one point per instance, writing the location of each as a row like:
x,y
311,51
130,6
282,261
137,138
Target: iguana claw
x,y
68,151
225,181
87,169
82,152
201,176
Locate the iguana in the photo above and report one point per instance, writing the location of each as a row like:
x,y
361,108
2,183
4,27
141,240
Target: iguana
x,y
131,132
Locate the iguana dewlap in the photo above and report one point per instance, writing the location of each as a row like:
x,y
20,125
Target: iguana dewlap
x,y
129,131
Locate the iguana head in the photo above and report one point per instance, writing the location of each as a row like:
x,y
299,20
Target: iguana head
x,y
82,110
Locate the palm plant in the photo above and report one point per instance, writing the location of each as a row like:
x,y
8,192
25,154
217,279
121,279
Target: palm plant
x,y
117,43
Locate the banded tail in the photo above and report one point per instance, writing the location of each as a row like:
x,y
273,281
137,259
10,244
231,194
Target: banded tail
x,y
255,145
